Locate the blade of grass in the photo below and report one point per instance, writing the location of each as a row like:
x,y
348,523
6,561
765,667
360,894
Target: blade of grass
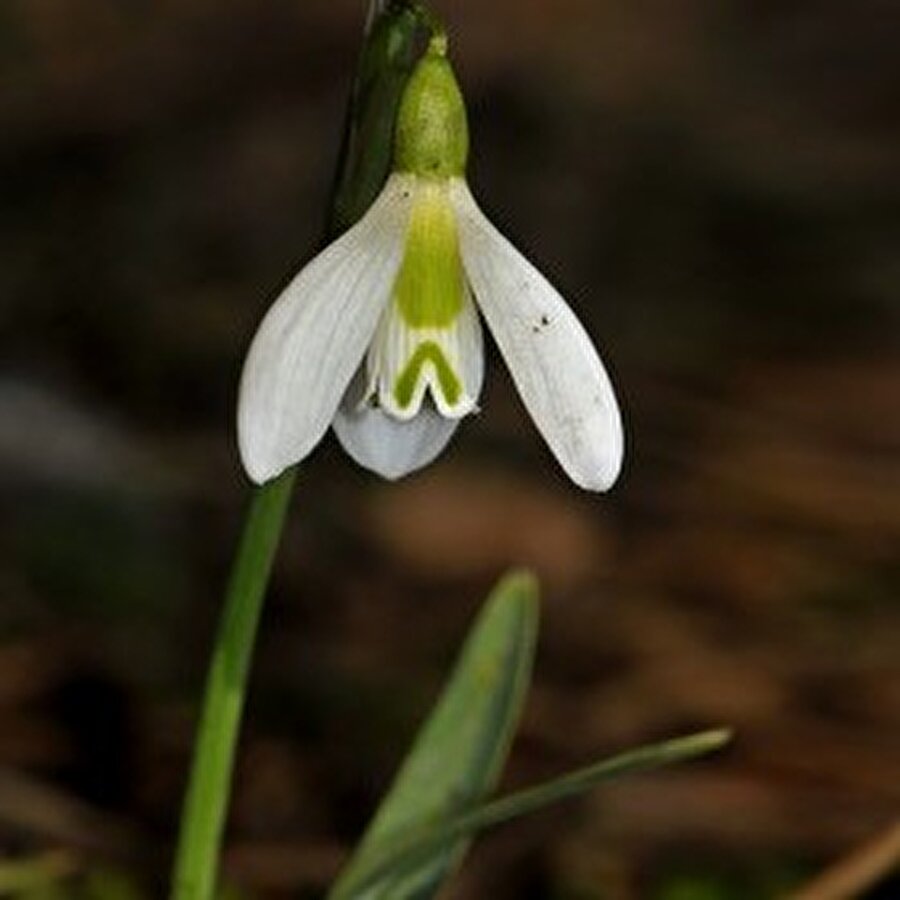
x,y
459,752
406,852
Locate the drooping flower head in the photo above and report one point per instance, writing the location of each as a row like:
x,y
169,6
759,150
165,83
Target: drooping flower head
x,y
380,337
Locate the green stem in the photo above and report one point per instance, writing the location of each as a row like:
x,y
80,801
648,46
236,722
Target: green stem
x,y
206,802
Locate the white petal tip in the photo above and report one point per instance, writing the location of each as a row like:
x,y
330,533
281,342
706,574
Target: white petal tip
x,y
600,479
599,468
258,470
262,457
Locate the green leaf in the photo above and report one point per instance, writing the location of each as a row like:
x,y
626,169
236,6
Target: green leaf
x,y
459,752
407,851
365,160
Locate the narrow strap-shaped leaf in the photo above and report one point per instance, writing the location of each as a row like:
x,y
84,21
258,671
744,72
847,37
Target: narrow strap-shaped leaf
x,y
407,851
365,159
459,752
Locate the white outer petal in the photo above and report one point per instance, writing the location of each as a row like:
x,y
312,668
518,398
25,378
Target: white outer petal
x,y
552,360
471,347
315,334
390,447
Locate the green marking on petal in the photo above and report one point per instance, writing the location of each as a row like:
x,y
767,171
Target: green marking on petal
x,y
429,351
429,287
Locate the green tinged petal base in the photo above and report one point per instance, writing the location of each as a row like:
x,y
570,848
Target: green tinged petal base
x,y
429,288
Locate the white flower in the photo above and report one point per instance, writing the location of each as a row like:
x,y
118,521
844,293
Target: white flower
x,y
380,336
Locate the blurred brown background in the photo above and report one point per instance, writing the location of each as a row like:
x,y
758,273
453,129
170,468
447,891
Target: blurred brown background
x,y
712,185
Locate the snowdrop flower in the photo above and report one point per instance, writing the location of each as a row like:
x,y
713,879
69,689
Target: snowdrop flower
x,y
379,335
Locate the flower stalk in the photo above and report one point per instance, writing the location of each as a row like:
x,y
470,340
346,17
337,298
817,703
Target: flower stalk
x,y
206,802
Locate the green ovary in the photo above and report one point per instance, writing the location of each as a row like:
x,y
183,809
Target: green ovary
x,y
429,287
428,352
432,135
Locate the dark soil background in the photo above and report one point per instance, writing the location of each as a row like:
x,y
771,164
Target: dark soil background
x,y
713,186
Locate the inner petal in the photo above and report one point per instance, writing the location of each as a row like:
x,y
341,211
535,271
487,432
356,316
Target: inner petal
x,y
429,339
405,364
